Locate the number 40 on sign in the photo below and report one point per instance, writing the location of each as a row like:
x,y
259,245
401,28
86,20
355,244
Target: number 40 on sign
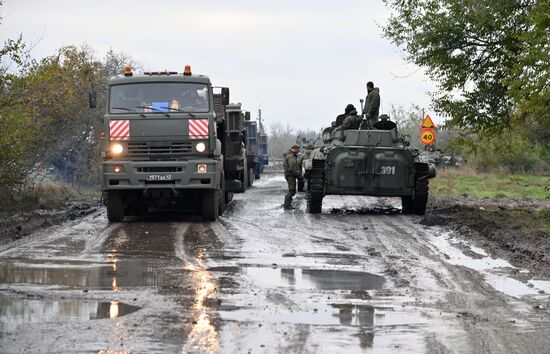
x,y
427,137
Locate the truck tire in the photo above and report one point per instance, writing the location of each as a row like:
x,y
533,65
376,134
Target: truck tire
x,y
222,203
115,207
315,190
250,177
244,181
417,203
210,205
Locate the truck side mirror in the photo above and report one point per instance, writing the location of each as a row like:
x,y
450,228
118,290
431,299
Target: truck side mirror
x,y
225,96
92,98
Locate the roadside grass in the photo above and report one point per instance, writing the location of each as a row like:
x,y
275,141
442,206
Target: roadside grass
x,y
465,181
48,195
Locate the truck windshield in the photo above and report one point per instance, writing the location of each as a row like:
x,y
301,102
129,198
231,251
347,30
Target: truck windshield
x,y
159,97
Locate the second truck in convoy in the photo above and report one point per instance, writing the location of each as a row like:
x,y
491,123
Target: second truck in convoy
x,y
170,143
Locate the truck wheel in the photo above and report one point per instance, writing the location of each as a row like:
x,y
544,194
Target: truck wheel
x,y
221,196
250,177
228,197
115,207
210,205
244,180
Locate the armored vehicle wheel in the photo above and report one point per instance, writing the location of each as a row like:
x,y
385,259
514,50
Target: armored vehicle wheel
x,y
210,205
115,207
417,203
315,190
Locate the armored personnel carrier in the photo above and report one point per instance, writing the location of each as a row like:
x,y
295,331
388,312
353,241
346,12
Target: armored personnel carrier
x,y
371,162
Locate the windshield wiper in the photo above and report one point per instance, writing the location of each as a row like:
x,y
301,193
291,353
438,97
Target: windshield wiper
x,y
154,109
130,110
179,110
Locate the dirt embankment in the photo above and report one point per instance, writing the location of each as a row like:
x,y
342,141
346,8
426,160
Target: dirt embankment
x,y
517,230
14,226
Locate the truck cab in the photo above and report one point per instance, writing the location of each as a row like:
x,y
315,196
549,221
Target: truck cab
x,y
162,150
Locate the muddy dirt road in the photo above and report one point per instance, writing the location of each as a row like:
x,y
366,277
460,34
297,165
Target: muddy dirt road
x,y
265,280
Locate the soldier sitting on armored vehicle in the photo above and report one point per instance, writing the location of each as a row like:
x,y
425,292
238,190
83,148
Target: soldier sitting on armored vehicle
x,y
352,121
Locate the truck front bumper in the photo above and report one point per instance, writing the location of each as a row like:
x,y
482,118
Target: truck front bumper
x,y
142,175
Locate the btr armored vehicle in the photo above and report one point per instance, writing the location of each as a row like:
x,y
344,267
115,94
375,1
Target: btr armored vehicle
x,y
162,145
373,162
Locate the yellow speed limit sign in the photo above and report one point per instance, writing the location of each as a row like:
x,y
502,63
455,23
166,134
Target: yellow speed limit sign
x,y
427,137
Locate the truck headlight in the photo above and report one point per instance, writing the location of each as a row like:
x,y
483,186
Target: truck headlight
x,y
200,147
117,148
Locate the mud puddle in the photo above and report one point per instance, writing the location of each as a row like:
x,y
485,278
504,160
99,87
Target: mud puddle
x,y
15,311
332,315
116,274
297,278
496,271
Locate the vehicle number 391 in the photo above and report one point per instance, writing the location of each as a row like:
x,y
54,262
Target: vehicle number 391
x,y
387,170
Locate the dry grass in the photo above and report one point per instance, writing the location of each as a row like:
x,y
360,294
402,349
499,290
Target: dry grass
x,y
41,196
466,181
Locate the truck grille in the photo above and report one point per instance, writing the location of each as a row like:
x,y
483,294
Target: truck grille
x,y
158,150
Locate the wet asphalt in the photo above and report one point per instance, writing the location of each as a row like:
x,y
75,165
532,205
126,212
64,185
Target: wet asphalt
x,y
359,278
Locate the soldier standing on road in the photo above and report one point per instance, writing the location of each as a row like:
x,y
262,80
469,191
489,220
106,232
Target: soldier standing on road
x,y
293,169
372,104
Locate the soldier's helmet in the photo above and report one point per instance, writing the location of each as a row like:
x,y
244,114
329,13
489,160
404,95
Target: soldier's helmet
x,y
295,147
310,147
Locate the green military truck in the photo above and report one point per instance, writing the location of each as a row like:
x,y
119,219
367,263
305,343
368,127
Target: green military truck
x,y
162,148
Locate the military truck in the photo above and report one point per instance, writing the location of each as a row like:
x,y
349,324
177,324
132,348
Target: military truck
x,y
163,148
373,162
252,146
233,148
263,153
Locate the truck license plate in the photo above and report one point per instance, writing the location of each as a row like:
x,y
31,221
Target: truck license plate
x,y
159,177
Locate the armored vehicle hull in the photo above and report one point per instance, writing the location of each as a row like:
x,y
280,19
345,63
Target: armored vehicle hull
x,y
371,163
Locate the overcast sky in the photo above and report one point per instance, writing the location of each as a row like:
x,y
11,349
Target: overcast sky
x,y
302,61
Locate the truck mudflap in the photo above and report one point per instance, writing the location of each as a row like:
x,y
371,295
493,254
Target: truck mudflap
x,y
233,185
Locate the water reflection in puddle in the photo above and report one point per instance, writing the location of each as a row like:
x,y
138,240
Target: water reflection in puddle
x,y
113,275
332,314
15,312
323,279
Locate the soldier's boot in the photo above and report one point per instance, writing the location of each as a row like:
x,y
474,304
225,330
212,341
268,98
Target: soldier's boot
x,y
288,203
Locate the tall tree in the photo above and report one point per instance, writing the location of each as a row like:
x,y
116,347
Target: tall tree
x,y
489,57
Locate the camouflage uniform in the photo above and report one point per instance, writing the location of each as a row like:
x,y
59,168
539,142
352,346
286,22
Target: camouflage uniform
x,y
293,170
304,157
352,121
372,106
